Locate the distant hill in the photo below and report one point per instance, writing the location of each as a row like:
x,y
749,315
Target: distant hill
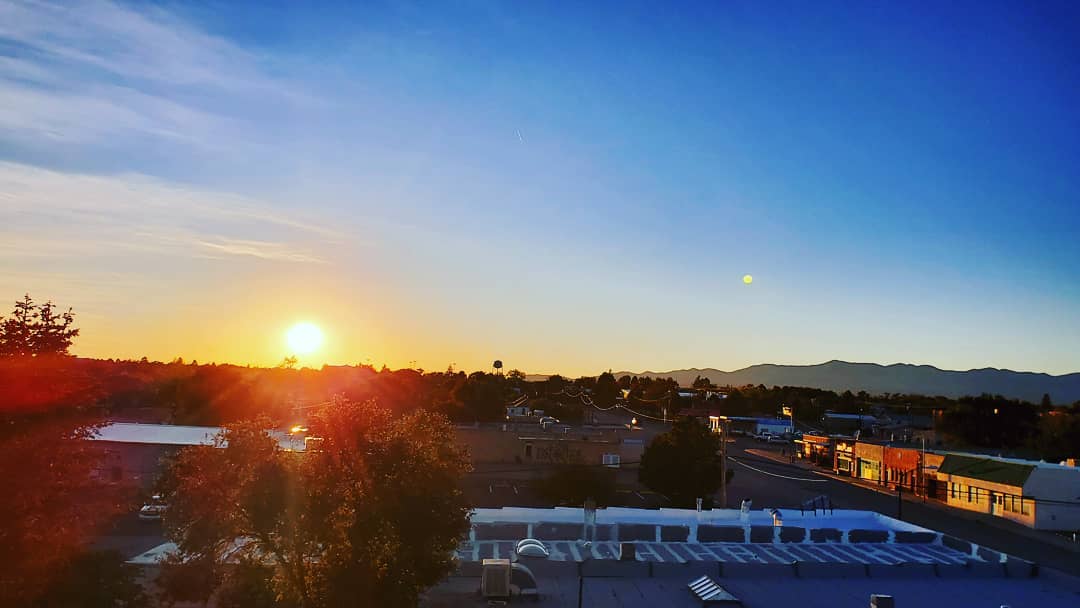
x,y
898,378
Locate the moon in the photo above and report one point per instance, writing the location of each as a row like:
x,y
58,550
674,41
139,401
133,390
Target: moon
x,y
747,279
304,338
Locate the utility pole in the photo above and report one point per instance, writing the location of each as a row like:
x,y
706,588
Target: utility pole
x,y
723,462
900,501
921,479
791,414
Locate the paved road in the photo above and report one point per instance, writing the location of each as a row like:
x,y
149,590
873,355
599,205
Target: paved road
x,y
782,485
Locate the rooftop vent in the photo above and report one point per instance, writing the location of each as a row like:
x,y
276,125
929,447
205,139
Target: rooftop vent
x,y
530,547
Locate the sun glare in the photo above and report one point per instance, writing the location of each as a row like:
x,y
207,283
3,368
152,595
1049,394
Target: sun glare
x,y
304,338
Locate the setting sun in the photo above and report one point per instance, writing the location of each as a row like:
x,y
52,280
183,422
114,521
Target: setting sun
x,y
304,338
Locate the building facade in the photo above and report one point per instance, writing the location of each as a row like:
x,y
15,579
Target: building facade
x,y
868,461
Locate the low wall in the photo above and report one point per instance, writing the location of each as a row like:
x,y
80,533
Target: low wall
x,y
711,533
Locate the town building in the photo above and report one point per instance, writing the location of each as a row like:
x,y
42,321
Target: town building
x,y
1039,495
741,425
837,423
134,452
869,458
529,444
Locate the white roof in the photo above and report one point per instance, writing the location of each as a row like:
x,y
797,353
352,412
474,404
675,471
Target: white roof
x,y
157,434
174,434
839,518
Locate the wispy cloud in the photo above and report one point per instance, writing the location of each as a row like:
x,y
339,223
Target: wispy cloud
x,y
45,213
144,44
86,72
259,249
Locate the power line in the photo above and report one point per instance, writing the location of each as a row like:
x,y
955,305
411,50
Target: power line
x,y
736,461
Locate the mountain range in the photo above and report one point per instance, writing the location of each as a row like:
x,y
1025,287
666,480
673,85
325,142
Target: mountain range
x,y
897,378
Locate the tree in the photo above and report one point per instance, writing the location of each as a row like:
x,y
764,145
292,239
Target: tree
x,y
187,580
482,397
1059,435
683,463
96,579
1046,403
516,376
36,330
370,515
571,484
54,503
700,382
554,384
606,390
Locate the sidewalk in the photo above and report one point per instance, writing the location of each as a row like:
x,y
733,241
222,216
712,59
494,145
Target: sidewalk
x,y
981,518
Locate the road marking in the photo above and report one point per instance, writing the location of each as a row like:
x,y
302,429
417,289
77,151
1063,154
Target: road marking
x,y
640,497
490,491
515,489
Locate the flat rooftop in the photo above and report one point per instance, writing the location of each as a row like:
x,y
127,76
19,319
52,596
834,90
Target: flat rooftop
x,y
960,589
721,535
813,560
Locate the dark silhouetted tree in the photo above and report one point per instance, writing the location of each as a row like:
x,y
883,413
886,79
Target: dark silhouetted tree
x,y
571,484
606,390
33,331
683,463
96,579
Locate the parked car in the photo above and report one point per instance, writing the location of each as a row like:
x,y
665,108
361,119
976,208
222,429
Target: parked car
x,y
763,436
778,439
153,510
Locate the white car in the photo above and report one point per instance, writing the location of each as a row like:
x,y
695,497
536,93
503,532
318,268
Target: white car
x,y
777,439
153,510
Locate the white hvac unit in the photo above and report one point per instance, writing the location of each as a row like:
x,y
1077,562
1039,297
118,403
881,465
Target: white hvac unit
x,y
495,578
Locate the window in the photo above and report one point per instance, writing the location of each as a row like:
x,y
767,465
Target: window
x,y
1025,506
611,460
528,450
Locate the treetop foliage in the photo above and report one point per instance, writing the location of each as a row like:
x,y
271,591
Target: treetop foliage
x,y
56,500
36,330
683,463
371,516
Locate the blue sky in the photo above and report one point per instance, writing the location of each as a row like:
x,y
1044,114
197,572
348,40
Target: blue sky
x,y
569,188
